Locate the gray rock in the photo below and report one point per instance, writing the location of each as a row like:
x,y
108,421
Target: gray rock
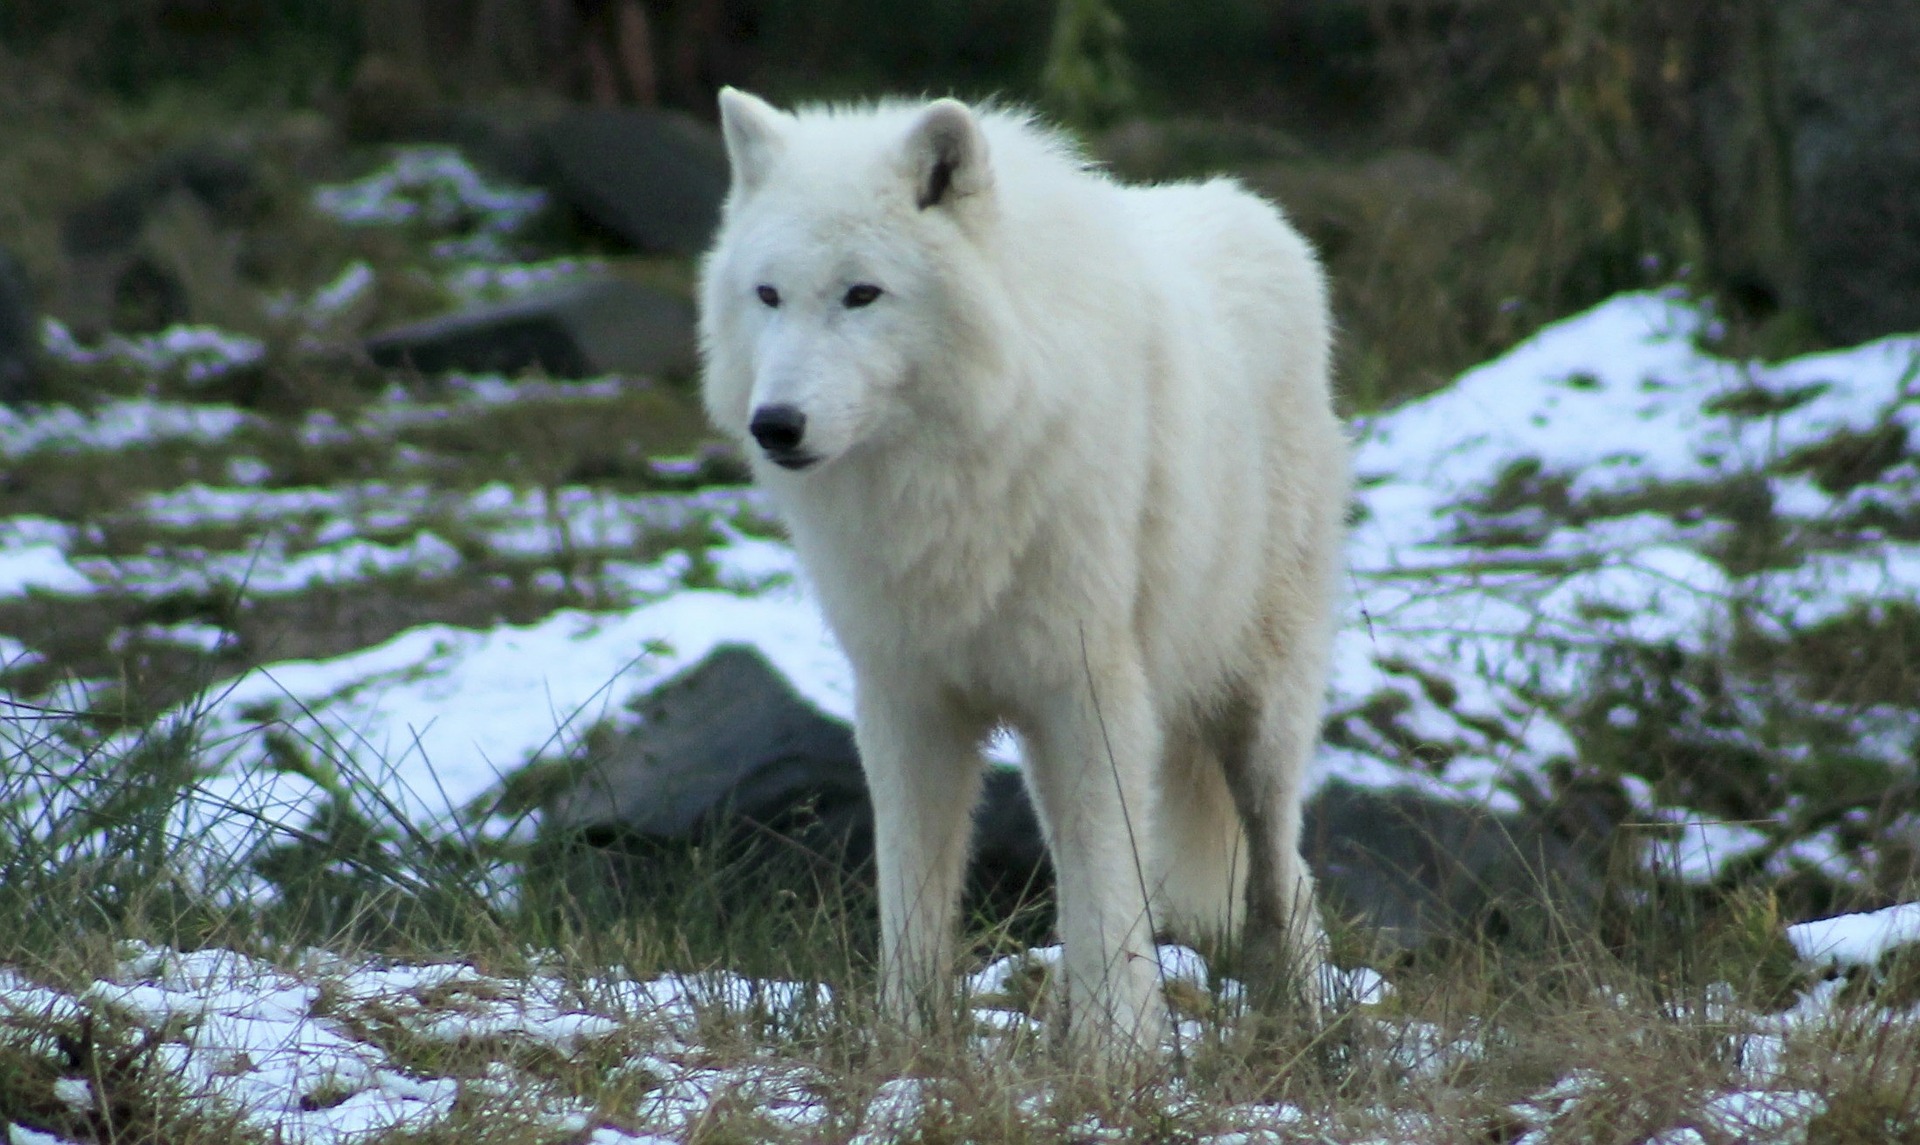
x,y
220,179
159,248
19,334
1415,870
503,139
599,326
1010,864
1809,134
728,738
1853,67
653,178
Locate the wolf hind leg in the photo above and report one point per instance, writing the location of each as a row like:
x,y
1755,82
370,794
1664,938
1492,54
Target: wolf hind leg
x,y
1266,741
1200,869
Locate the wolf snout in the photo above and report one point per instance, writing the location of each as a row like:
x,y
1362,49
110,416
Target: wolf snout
x,y
780,429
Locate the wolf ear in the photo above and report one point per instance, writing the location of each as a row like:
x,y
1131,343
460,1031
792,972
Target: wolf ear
x,y
946,154
754,133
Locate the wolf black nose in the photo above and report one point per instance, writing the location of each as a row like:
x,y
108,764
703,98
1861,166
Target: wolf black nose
x,y
778,429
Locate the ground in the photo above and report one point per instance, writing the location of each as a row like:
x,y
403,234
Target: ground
x,y
278,668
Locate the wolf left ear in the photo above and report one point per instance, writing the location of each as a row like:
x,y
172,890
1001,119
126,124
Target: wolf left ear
x,y
754,133
946,154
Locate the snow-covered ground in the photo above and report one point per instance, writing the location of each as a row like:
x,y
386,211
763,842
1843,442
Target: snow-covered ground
x,y
1509,532
318,1049
1602,408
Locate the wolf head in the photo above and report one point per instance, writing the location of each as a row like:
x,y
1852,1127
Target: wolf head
x,y
848,275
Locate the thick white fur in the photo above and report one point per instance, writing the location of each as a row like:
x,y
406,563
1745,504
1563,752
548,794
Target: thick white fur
x,y
1078,475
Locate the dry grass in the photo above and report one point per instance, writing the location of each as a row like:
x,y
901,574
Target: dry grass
x,y
1481,1051
1611,1033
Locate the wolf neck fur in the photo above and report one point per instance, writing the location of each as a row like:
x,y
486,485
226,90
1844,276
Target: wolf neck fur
x,y
955,533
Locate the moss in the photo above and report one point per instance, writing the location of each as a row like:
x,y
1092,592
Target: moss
x,y
1850,458
1383,712
1753,400
1757,540
608,440
542,781
326,1094
1438,689
1676,718
1869,654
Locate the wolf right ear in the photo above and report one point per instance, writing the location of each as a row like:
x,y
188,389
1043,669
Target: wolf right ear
x,y
753,129
946,154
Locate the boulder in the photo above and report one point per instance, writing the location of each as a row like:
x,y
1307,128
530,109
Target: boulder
x,y
1010,865
579,330
160,247
1414,870
220,179
1854,100
727,739
651,180
19,334
387,102
654,179
1808,119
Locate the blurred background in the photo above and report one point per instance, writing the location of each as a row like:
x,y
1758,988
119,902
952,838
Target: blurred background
x,y
1471,168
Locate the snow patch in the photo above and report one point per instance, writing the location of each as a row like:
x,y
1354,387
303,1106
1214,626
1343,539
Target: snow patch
x,y
1856,939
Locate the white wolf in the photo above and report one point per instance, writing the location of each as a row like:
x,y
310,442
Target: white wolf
x,y
1058,455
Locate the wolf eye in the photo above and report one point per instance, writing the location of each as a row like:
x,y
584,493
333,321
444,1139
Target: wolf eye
x,y
767,294
860,295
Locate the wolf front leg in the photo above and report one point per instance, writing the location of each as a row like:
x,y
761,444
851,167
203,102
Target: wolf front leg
x,y
923,771
1095,750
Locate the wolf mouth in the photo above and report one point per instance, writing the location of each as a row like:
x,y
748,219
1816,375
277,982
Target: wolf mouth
x,y
793,459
